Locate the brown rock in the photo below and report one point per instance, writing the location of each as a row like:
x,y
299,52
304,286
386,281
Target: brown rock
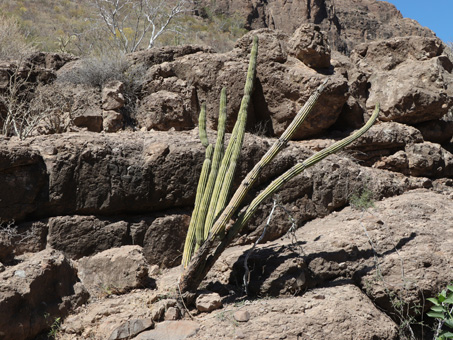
x,y
163,110
393,67
86,109
437,131
421,159
164,240
112,121
37,291
114,271
171,330
112,316
48,60
346,22
112,95
79,236
159,309
92,120
208,302
173,91
131,328
172,313
309,45
307,317
430,160
23,181
241,316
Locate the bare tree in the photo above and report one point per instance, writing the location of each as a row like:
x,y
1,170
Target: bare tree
x,y
133,23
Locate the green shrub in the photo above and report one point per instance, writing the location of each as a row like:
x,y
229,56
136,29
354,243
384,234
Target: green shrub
x,y
442,311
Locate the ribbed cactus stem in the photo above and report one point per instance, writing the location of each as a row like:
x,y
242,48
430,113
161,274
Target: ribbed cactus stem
x,y
202,263
216,159
202,126
199,232
299,168
189,245
229,161
251,177
193,232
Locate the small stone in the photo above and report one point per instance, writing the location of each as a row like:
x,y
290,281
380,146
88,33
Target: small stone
x,y
172,313
241,316
131,328
171,330
240,334
208,302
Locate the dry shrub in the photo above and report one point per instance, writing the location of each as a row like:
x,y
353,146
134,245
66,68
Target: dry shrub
x,y
28,108
97,71
13,44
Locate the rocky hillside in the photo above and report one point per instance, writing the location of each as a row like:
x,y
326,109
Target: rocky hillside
x,y
96,200
346,22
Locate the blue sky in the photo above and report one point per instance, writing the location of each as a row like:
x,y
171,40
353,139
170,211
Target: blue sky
x,y
434,14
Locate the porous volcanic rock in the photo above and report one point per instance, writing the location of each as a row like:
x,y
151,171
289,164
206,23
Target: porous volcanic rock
x,y
163,243
78,236
130,313
403,232
309,45
86,175
421,159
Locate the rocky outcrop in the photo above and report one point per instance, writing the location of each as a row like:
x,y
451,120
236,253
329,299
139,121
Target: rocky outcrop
x,y
173,91
34,293
144,173
307,317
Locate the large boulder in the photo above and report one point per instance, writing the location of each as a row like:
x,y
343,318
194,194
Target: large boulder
x,y
114,271
34,293
163,243
392,251
342,310
421,159
309,45
409,76
78,236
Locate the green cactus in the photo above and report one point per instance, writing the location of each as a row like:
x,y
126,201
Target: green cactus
x,y
192,231
213,189
229,162
211,202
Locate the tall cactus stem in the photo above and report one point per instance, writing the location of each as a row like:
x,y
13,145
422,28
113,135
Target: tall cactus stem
x,y
216,159
251,177
202,263
202,126
229,161
191,232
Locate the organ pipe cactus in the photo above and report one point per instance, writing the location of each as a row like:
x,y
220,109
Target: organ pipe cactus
x,y
217,174
207,253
